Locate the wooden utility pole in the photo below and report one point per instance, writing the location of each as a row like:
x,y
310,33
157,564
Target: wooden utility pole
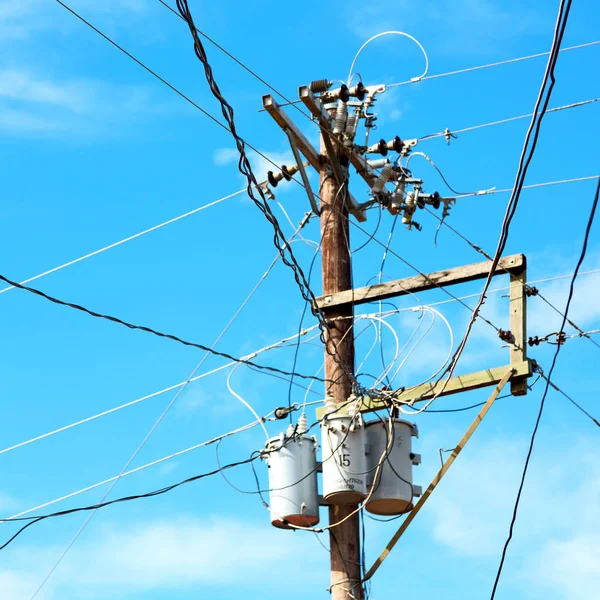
x,y
344,540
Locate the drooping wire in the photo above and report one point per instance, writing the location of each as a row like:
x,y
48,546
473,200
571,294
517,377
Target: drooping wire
x,y
549,376
495,64
155,332
287,256
524,162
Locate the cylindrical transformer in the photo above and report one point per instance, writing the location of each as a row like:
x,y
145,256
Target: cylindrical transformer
x,y
392,489
292,463
344,459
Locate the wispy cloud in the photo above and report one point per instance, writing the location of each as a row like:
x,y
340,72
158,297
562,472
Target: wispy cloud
x,y
158,555
24,19
31,103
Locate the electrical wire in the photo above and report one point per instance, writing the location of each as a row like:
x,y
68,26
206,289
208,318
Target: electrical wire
x,y
164,490
527,187
524,162
495,64
401,33
147,329
454,133
244,402
166,411
125,240
262,204
555,387
552,366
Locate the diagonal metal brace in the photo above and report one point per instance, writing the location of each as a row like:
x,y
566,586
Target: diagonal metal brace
x,y
309,192
413,513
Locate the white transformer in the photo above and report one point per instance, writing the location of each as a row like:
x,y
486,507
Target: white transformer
x,y
292,463
392,492
344,459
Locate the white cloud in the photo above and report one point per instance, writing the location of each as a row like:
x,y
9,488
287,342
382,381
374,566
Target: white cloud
x,y
35,104
225,156
556,544
159,555
24,19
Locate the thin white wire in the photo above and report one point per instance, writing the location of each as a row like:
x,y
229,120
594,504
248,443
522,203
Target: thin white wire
x,y
136,470
159,421
496,64
402,33
434,136
527,187
421,320
123,241
448,359
451,347
244,402
158,393
373,345
397,352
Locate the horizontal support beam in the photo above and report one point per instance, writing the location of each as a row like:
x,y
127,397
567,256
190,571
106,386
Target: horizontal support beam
x,y
401,287
455,385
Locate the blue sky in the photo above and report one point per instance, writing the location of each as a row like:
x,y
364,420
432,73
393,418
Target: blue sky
x,y
94,150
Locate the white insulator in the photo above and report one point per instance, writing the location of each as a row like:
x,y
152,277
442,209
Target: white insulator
x,y
330,405
302,424
351,125
344,459
392,493
379,163
291,430
293,481
352,405
341,115
383,178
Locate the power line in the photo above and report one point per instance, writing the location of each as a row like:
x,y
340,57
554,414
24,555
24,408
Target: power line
x,y
125,240
489,65
481,251
155,332
167,410
524,162
527,187
261,203
164,490
555,387
453,133
549,377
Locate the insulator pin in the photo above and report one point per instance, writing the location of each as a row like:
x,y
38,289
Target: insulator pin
x,y
341,116
359,91
379,163
351,125
320,85
383,178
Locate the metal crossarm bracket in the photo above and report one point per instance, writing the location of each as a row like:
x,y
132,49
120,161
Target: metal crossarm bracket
x,y
309,192
306,148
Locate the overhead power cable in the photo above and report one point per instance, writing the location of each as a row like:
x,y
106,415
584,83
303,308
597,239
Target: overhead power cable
x,y
245,168
125,240
573,402
490,65
549,376
529,147
526,187
164,490
454,132
155,332
167,410
481,251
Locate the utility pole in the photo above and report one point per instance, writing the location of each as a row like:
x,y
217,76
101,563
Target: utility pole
x,y
295,470
344,540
